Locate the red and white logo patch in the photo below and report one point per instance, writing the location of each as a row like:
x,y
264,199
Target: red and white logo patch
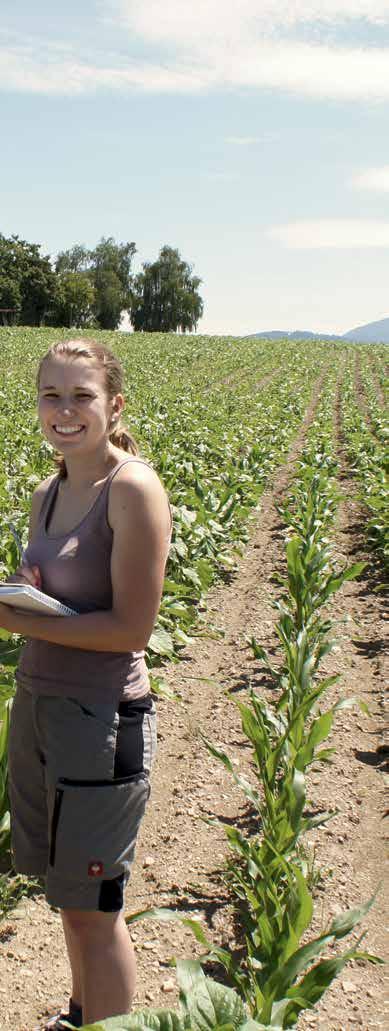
x,y
95,869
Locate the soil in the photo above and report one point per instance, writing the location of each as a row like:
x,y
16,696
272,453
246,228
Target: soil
x,y
180,857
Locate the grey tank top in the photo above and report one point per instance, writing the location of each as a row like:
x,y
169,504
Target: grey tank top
x,y
75,569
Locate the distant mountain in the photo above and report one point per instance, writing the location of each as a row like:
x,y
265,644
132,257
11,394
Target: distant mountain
x,y
372,333
297,334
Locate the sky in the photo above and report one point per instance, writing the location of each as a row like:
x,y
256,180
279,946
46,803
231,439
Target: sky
x,y
253,136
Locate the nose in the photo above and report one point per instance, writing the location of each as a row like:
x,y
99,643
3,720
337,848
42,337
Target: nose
x,y
66,407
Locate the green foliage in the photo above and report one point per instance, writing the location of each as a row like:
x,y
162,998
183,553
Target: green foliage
x,y
205,1005
216,442
95,285
366,448
74,302
165,295
14,888
273,972
27,280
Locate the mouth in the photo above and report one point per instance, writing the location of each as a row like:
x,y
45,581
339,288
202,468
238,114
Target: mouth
x,y
68,431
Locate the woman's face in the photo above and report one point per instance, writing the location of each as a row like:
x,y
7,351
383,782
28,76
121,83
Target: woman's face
x,y
74,411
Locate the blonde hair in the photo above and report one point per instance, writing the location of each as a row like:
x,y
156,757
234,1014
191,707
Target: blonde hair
x,y
103,358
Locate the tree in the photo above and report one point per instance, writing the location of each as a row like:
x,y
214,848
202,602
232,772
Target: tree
x,y
108,270
10,295
77,259
165,295
74,300
27,277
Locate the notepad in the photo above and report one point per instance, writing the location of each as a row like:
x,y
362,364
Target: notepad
x,y
29,599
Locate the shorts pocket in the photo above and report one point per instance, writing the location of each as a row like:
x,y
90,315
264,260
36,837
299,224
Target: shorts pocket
x,y
101,712
95,825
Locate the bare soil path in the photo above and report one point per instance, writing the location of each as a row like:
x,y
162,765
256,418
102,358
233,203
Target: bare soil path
x,y
180,858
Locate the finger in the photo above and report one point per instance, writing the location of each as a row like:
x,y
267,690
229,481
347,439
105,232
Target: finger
x,y
37,576
17,578
27,573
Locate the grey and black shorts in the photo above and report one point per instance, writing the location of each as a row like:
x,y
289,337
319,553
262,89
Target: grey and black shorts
x,y
78,784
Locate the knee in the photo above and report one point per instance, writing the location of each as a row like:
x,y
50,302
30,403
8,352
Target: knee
x,y
89,925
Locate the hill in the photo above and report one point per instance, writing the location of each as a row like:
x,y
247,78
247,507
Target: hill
x,y
296,334
371,333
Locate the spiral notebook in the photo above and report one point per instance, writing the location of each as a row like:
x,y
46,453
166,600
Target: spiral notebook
x,y
29,599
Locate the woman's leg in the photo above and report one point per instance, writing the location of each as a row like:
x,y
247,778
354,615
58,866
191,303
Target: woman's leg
x,y
107,962
74,954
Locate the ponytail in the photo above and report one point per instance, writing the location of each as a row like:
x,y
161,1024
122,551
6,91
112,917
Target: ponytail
x,y
120,437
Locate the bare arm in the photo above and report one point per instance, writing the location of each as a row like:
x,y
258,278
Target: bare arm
x,y
139,518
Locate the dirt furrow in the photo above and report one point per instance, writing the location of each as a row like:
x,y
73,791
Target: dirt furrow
x,y
350,850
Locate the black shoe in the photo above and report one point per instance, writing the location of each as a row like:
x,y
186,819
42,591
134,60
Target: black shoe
x,y
74,1016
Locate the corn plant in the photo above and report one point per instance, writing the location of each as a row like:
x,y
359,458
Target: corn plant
x,y
204,1005
266,878
367,456
216,442
274,972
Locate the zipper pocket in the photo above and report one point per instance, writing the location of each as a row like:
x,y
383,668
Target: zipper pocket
x,y
101,783
54,824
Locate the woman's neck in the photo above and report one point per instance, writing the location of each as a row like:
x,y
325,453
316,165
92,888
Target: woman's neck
x,y
84,471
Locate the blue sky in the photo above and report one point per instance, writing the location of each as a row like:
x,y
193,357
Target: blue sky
x,y
253,136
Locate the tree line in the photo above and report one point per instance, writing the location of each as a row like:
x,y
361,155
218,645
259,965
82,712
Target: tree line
x,y
85,288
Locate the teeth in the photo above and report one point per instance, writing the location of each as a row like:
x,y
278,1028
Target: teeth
x,y
67,429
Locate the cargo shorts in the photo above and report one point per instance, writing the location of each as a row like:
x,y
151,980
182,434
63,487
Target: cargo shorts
x,y
78,786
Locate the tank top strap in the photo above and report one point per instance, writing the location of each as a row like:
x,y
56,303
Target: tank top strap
x,y
47,500
104,493
126,461
100,508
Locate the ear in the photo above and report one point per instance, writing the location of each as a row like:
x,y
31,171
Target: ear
x,y
117,407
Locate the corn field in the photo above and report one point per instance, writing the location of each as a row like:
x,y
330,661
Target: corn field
x,y
217,418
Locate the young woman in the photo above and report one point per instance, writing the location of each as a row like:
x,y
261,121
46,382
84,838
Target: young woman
x,y
83,731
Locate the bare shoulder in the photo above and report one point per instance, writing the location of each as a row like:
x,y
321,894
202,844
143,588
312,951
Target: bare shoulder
x,y
136,488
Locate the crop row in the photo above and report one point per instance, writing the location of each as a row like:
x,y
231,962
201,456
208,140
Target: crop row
x,y
274,975
216,447
367,456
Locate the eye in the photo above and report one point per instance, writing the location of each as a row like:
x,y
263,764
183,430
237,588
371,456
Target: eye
x,y
49,395
83,397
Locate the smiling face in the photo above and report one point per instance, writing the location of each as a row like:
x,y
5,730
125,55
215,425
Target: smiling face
x,y
75,413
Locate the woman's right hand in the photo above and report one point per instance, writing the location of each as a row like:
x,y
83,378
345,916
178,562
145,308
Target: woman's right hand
x,y
26,574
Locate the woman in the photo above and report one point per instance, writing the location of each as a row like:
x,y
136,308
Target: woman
x,y
82,732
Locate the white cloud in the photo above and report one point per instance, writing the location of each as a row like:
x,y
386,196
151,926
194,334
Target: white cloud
x,y
186,23
56,74
338,233
312,71
182,47
372,179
